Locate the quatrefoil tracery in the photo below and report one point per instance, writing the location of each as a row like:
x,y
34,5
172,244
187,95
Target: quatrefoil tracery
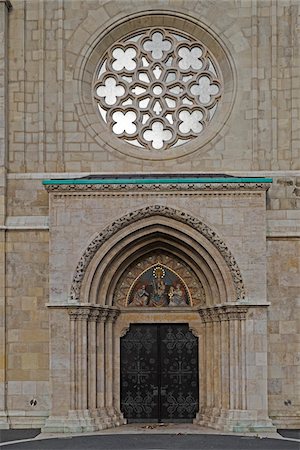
x,y
158,89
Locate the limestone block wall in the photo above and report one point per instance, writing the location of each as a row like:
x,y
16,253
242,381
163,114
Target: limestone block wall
x,y
43,135
27,341
284,329
49,41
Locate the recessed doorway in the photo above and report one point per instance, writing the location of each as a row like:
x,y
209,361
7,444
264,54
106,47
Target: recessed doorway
x,y
159,373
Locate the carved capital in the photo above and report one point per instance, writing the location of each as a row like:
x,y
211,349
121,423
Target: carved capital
x,y
83,313
94,314
103,313
112,315
224,312
73,313
205,315
236,312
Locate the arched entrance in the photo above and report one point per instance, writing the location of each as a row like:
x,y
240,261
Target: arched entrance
x,y
118,264
202,289
159,373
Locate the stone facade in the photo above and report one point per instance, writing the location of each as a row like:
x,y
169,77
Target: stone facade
x,y
241,239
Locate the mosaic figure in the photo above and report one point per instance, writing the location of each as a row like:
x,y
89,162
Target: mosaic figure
x,y
158,286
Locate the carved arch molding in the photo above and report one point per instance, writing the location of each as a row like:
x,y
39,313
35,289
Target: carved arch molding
x,y
143,213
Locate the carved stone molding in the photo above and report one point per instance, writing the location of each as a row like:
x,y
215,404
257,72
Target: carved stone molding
x,y
212,188
234,312
144,213
93,313
223,312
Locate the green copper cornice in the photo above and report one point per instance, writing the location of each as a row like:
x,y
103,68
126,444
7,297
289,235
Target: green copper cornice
x,y
138,181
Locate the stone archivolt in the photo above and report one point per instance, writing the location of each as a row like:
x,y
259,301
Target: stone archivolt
x,y
144,213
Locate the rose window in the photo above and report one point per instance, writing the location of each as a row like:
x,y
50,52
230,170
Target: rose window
x,y
158,89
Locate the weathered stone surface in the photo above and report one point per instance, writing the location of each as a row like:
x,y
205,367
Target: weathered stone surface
x,y
50,128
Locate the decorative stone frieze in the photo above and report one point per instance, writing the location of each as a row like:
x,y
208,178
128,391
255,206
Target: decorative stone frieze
x,y
232,188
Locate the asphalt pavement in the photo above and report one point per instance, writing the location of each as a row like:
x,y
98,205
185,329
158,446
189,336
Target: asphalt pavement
x,y
155,442
149,437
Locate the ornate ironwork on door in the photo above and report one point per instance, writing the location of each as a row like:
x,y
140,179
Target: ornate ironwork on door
x,y
159,373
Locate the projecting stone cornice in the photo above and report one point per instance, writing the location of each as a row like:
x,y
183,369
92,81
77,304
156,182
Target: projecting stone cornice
x,y
156,184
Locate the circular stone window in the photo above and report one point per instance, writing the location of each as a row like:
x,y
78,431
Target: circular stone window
x,y
159,92
158,89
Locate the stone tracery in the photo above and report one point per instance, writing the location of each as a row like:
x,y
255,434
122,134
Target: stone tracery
x,y
158,89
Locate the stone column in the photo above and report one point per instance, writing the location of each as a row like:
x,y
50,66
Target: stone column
x,y
79,417
224,336
209,381
233,365
203,374
243,369
236,315
109,365
73,337
205,391
116,377
91,374
225,351
217,362
101,388
92,361
4,8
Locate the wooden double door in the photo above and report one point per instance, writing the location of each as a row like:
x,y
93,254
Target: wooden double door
x,y
159,373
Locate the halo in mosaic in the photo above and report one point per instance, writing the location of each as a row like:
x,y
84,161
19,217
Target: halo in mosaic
x,y
158,89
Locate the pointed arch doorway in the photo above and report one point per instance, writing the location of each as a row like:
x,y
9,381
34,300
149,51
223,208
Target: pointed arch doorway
x,y
159,373
103,305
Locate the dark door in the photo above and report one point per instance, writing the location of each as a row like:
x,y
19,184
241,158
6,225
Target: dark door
x,y
159,373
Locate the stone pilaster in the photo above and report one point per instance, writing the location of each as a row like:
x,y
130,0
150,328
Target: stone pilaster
x,y
4,8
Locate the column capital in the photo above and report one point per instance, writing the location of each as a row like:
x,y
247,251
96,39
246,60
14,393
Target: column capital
x,y
79,313
234,312
205,315
7,4
73,313
112,315
223,312
94,314
103,313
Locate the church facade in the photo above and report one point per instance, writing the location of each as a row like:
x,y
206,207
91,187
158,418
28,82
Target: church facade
x,y
150,192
